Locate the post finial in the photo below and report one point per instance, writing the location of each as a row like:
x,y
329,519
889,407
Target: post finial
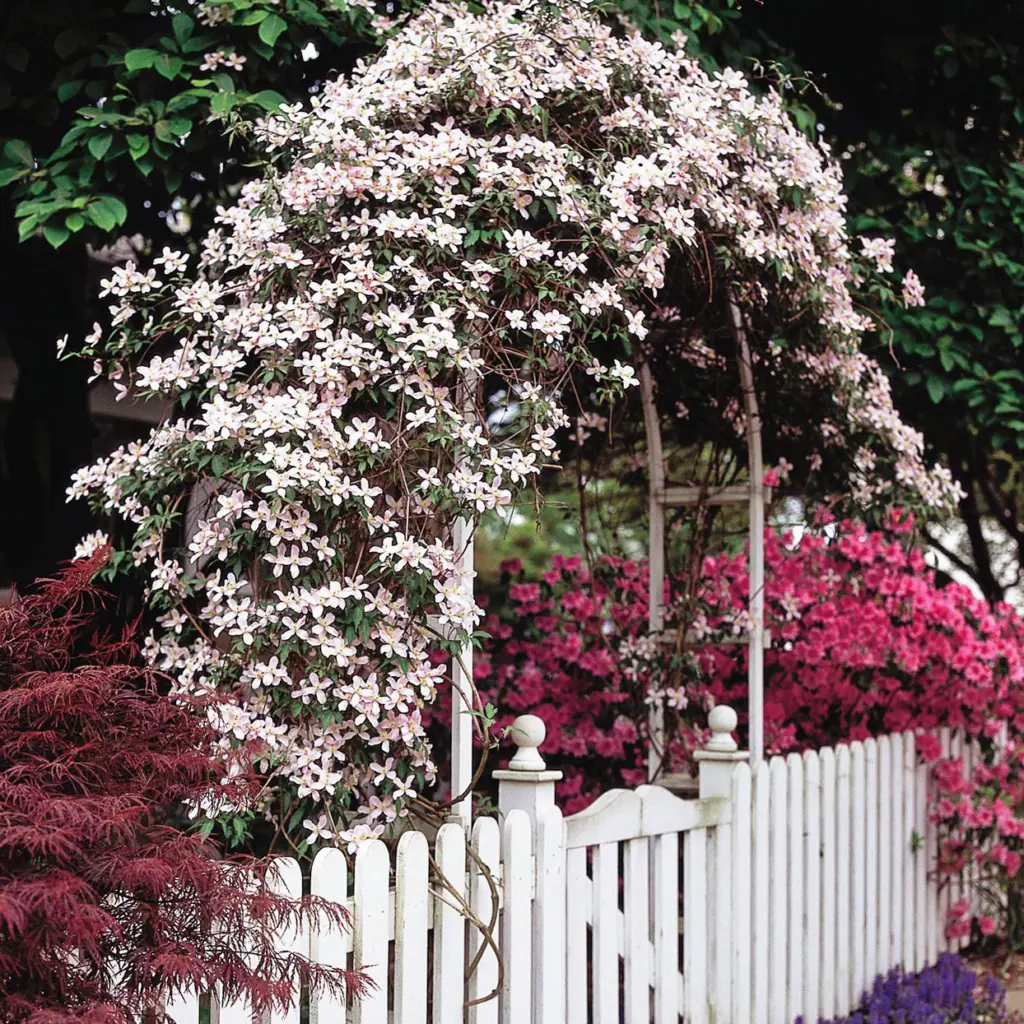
x,y
528,733
723,721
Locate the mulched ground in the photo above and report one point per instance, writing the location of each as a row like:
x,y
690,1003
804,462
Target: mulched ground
x,y
1009,969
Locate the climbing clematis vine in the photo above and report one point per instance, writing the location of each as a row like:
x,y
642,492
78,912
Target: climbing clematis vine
x,y
496,205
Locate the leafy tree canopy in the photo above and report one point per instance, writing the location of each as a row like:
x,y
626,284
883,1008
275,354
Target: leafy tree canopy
x,y
925,104
115,109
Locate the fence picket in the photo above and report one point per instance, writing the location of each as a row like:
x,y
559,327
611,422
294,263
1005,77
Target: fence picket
x,y
665,912
795,873
549,919
184,1008
329,945
871,863
761,825
949,894
909,820
829,931
450,924
858,856
742,895
412,913
285,879
812,886
844,867
637,945
605,960
516,936
778,893
370,931
934,935
720,910
922,867
577,894
232,1011
974,870
898,848
695,921
884,959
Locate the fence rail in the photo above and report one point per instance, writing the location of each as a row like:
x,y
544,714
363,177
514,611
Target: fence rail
x,y
780,893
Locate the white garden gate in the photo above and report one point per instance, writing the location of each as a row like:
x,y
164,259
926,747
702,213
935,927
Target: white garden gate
x,y
781,892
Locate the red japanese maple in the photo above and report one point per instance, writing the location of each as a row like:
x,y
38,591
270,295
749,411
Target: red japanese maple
x,y
105,908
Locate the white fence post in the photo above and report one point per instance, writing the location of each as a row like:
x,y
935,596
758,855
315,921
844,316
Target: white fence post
x,y
529,786
717,762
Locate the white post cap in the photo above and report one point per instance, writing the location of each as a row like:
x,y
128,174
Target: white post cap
x,y
528,733
723,721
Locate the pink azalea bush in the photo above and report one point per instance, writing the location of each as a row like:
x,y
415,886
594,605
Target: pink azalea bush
x,y
864,642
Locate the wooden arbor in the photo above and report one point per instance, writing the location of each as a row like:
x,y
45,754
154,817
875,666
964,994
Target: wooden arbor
x,y
664,496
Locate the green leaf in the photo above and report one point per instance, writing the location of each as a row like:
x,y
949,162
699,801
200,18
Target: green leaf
x,y
74,222
56,234
222,103
17,56
9,174
184,100
27,227
99,144
179,125
68,89
136,60
107,212
18,151
183,27
269,99
936,388
251,17
271,27
168,66
67,42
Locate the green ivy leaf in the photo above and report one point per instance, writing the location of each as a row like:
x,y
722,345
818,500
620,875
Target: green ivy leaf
x,y
183,27
168,66
9,174
251,17
99,144
68,89
56,234
936,388
18,151
222,103
136,60
271,28
107,212
269,99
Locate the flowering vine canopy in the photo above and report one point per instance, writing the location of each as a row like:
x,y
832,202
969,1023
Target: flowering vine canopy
x,y
498,204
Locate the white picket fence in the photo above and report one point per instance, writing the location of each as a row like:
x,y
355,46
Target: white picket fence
x,y
781,892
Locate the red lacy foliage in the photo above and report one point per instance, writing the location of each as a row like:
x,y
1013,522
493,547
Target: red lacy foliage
x,y
104,907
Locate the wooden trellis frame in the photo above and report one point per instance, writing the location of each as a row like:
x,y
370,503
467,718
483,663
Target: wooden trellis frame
x,y
754,494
